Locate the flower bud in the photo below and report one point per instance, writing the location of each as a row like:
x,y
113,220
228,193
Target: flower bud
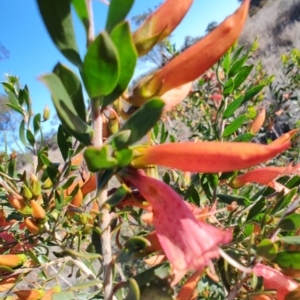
x,y
12,260
33,226
26,193
35,186
17,204
47,184
8,282
37,211
29,294
46,113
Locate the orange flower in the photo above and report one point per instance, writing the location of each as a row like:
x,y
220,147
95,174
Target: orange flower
x,y
262,176
207,157
187,243
275,280
195,60
285,137
258,122
160,24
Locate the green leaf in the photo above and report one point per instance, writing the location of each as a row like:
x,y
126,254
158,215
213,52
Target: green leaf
x,y
11,168
65,109
36,123
246,137
101,66
73,87
284,201
251,93
63,144
288,259
122,38
234,125
81,9
291,222
132,246
256,209
226,62
228,87
238,199
293,240
143,119
242,75
22,134
99,159
134,290
237,53
30,137
237,65
124,157
57,17
267,249
118,195
119,140
233,106
16,108
118,10
63,296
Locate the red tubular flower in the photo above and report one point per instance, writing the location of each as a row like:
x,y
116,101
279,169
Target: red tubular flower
x,y
258,122
195,60
187,243
261,176
160,24
275,280
207,157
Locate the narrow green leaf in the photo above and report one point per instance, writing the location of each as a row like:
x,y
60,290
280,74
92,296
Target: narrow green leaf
x,y
63,296
233,106
101,66
81,9
11,168
62,142
73,87
99,159
22,134
143,119
291,222
284,201
30,137
118,10
57,17
242,75
238,199
122,38
251,93
118,195
293,240
36,123
228,87
237,53
234,125
288,259
237,65
226,62
12,99
86,284
134,290
256,209
15,108
65,109
246,137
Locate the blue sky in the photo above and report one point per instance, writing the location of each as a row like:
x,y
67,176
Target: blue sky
x,y
32,52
